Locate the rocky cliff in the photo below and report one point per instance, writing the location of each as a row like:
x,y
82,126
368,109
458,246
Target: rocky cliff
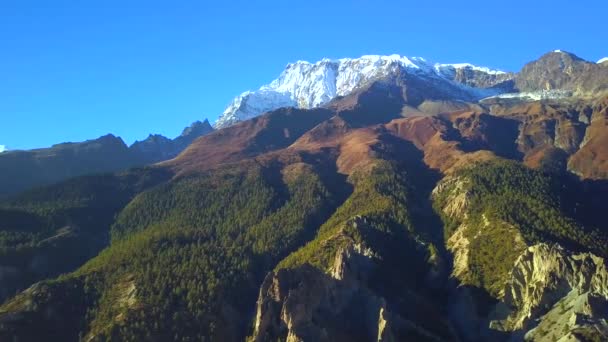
x,y
532,291
343,304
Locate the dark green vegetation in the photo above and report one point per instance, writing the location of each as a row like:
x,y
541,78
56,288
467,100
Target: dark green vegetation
x,y
187,255
529,199
510,207
52,230
194,251
381,197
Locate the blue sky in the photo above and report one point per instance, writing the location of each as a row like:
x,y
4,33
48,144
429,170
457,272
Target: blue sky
x,y
73,70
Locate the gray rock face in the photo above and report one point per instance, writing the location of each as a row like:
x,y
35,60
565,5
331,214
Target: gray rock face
x,y
563,71
158,148
543,275
548,292
551,294
307,304
154,148
473,77
575,317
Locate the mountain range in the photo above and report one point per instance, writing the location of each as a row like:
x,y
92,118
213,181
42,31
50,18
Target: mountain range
x,y
383,198
307,85
25,169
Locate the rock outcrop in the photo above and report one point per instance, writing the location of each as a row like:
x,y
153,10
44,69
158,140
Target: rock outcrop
x,y
307,304
541,291
564,71
545,275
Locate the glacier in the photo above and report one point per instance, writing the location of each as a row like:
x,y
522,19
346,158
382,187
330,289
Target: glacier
x,y
307,85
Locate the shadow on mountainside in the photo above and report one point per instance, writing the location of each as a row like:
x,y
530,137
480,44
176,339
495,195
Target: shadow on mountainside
x,y
484,132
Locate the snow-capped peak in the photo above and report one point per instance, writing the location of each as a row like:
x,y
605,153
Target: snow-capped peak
x,y
306,85
605,59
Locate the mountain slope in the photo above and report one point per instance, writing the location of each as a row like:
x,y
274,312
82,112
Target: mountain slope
x,y
23,170
26,169
157,148
510,238
355,221
564,71
53,230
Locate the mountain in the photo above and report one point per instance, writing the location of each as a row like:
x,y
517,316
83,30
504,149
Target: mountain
x,y
157,148
22,170
25,169
559,70
393,213
307,85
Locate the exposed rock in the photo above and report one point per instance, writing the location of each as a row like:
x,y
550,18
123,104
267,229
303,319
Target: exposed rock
x,y
353,263
306,304
541,277
564,71
475,77
157,148
573,317
154,148
458,244
459,195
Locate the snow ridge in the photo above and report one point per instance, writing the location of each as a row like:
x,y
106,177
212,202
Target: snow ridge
x,y
307,85
605,59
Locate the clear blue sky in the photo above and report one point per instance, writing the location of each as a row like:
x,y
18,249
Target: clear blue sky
x,y
72,70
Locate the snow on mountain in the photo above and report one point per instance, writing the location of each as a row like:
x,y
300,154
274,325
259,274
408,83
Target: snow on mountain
x,y
2,148
533,95
448,68
307,85
605,59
